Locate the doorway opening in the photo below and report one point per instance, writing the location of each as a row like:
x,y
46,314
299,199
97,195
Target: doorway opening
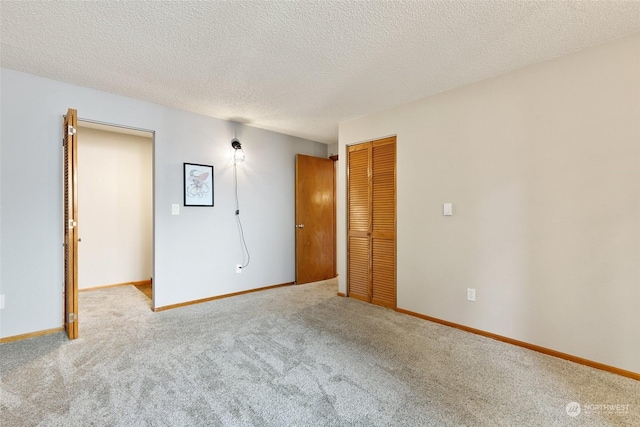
x,y
115,207
109,214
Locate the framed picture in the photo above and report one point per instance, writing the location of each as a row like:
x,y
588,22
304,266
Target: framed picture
x,y
198,185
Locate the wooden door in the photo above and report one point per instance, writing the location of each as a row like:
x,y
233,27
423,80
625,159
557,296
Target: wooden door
x,y
70,167
383,222
359,222
315,217
371,222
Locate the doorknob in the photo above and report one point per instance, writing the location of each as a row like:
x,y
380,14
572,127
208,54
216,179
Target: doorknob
x,y
299,225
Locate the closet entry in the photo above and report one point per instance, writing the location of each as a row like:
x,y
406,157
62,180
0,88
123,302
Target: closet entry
x,y
371,222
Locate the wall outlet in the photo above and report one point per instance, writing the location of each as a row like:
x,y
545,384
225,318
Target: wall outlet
x,y
471,294
175,209
239,268
1,302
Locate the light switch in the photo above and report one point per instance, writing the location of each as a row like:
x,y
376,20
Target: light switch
x,y
447,209
175,209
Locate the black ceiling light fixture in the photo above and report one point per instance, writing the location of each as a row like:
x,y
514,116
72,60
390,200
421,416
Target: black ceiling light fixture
x,y
238,155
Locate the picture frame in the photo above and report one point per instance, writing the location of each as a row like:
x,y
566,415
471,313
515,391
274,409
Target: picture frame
x,y
198,184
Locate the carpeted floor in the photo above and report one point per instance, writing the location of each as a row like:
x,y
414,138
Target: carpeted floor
x,y
291,356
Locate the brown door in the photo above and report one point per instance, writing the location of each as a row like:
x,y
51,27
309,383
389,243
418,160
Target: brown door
x,y
359,222
371,210
383,222
70,167
315,235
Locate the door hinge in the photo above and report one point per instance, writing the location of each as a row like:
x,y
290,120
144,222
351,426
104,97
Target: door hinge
x,y
72,317
71,130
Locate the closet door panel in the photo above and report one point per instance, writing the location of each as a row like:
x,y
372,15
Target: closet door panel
x,y
359,191
383,210
359,271
383,218
383,272
359,223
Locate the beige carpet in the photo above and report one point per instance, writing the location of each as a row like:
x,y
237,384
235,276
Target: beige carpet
x,y
292,356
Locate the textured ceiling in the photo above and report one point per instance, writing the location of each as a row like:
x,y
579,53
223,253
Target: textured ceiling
x,y
296,67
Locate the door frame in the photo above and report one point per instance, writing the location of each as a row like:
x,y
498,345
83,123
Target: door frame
x,y
362,145
70,300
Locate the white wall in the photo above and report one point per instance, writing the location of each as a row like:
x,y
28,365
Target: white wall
x,y
332,149
542,166
115,196
195,252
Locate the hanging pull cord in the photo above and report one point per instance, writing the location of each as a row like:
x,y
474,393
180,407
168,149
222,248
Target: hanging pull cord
x,y
243,243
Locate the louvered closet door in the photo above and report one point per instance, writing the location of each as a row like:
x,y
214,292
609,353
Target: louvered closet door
x,y
371,254
359,222
70,167
383,219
